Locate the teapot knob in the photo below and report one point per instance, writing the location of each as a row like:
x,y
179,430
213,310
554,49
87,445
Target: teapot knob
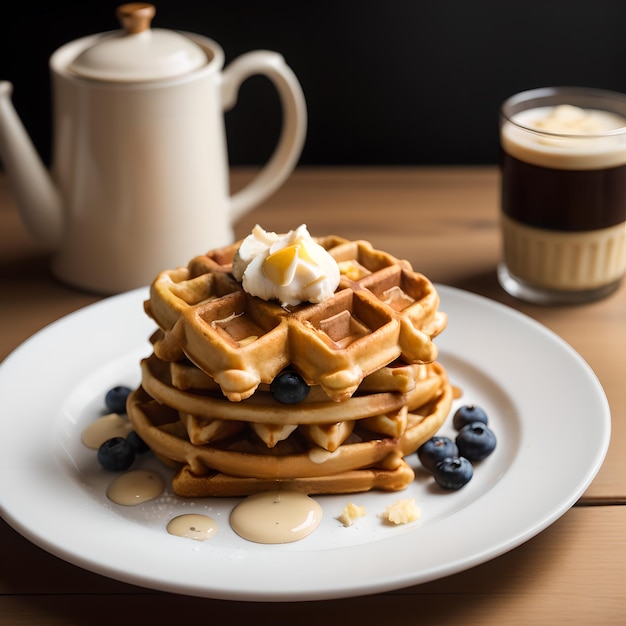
x,y
137,52
135,17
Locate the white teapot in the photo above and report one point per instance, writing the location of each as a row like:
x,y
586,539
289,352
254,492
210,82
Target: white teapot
x,y
139,178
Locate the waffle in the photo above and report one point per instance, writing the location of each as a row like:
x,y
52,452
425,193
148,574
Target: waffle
x,y
254,445
376,391
381,311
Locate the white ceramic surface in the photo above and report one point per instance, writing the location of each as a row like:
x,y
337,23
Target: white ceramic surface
x,y
546,407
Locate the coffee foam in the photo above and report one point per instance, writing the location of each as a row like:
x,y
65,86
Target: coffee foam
x,y
566,138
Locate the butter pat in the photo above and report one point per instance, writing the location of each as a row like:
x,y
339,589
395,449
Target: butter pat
x,y
350,513
402,512
290,268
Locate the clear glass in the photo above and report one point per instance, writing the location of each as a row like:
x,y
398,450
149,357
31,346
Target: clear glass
x,y
563,194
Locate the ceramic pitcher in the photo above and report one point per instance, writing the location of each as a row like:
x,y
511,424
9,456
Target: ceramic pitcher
x,y
139,180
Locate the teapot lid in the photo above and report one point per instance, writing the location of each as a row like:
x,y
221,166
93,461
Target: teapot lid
x,y
138,52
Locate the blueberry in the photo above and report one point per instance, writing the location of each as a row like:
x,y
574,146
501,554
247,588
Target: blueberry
x,y
116,454
453,473
137,443
476,441
289,388
115,399
467,414
436,449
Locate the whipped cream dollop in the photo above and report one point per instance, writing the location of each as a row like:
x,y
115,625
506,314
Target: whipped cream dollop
x,y
291,268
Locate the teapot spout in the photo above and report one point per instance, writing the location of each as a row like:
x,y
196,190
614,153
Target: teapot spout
x,y
35,194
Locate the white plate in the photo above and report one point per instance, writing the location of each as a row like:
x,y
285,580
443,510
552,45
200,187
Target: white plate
x,y
546,406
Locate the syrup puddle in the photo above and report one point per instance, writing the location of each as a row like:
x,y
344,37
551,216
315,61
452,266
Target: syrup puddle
x,y
192,526
105,427
276,517
135,487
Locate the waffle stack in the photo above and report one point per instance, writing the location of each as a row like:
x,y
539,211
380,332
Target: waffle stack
x,y
376,393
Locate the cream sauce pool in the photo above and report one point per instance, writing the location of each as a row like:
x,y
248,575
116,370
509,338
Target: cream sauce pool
x,y
135,487
104,428
193,526
276,517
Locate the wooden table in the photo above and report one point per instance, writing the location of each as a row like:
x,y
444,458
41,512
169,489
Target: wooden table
x,y
445,222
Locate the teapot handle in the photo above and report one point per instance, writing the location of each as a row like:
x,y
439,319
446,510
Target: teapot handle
x,y
293,132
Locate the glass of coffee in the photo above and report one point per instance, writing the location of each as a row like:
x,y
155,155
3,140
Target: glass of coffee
x,y
563,194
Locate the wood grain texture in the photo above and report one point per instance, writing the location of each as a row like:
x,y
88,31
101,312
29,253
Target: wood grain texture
x,y
445,221
571,573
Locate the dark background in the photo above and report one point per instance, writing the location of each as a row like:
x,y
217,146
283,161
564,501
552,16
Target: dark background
x,y
390,82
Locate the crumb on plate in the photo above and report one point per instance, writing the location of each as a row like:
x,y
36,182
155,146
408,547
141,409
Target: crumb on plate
x,y
402,512
350,513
